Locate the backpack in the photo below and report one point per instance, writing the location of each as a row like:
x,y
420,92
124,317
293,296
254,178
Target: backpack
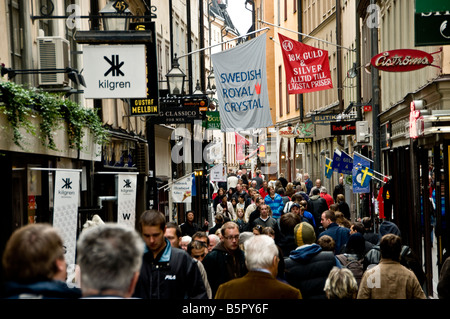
x,y
354,265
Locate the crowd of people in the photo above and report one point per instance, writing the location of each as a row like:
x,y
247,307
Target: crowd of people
x,y
269,241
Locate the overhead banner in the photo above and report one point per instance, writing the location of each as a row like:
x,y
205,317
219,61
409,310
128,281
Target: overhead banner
x,y
182,190
307,68
65,210
126,199
241,82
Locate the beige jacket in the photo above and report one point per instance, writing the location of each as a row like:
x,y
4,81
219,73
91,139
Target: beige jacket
x,y
390,280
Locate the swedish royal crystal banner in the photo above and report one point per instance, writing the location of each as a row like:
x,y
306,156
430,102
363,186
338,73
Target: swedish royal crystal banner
x,y
126,199
241,82
65,210
307,68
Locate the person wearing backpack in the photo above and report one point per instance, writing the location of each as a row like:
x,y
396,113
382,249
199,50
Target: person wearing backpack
x,y
408,257
353,256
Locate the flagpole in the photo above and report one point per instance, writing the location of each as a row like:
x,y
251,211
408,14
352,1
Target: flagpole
x,y
359,164
306,35
214,45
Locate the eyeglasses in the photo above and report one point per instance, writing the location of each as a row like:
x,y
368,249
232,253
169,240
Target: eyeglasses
x,y
231,237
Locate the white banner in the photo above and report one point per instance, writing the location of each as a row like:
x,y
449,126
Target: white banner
x,y
242,90
182,190
65,210
115,71
218,173
126,199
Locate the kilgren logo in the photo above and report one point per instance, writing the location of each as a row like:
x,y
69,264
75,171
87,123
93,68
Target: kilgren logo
x,y
127,183
67,183
115,65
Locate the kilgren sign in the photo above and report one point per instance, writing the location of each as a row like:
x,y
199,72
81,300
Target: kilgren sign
x,y
115,71
401,60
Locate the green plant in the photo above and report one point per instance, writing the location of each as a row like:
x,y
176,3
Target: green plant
x,y
17,108
21,103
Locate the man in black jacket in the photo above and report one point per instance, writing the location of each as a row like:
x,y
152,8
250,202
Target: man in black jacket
x,y
166,272
189,228
317,206
226,261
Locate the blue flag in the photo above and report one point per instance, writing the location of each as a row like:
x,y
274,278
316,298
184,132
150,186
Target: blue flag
x,y
194,188
328,167
337,160
346,165
362,173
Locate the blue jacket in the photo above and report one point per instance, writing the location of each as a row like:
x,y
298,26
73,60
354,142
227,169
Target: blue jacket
x,y
276,204
339,234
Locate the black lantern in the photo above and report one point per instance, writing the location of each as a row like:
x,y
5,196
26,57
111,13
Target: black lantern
x,y
175,78
116,18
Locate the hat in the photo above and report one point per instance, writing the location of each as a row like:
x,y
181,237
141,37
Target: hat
x,y
388,227
304,234
294,205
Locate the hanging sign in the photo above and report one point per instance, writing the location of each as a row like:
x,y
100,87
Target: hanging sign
x,y
307,68
65,210
289,131
343,128
126,199
218,173
182,190
402,60
115,71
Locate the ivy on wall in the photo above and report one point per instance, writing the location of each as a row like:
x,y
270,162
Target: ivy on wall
x,y
21,104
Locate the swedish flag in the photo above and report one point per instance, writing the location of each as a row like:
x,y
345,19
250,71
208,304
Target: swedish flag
x,y
328,167
364,176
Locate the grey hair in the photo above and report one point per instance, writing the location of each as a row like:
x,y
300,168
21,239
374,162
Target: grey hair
x,y
341,284
259,252
109,255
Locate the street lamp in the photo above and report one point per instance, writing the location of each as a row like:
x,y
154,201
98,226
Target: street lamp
x,y
212,81
175,78
113,19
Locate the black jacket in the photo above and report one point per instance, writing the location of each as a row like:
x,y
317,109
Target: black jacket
x,y
173,274
221,266
317,205
307,269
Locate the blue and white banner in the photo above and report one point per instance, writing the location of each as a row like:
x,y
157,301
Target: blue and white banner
x,y
346,165
241,82
362,173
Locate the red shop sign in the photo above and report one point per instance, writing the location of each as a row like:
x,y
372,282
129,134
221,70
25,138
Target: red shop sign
x,y
402,60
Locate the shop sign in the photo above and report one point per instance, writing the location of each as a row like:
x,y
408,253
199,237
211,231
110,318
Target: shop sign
x,y
289,131
212,120
115,71
179,110
305,140
432,27
343,128
402,60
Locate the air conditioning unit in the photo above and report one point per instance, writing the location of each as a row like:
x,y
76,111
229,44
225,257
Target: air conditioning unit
x,y
362,132
53,53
